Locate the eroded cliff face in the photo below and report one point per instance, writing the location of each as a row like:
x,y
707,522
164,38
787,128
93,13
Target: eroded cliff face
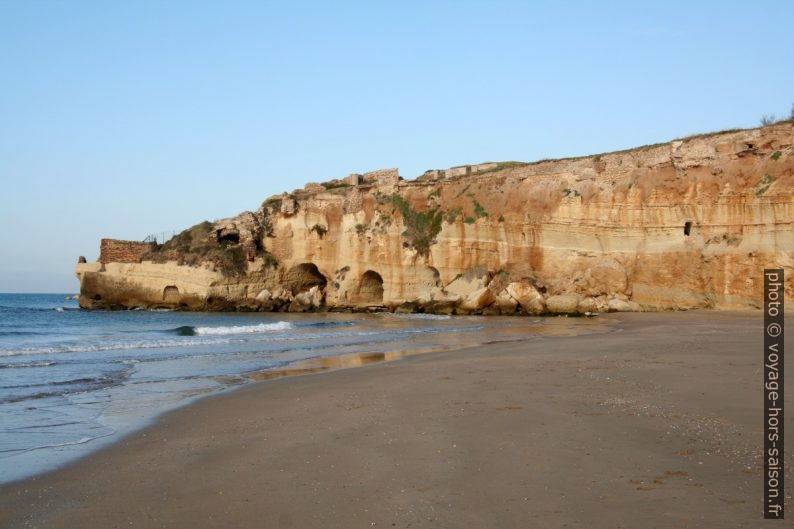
x,y
686,224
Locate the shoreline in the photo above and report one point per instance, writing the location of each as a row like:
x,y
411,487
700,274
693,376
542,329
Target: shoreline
x,y
304,412
315,365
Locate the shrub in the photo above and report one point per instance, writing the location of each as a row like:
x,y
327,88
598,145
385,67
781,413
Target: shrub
x,y
421,228
198,244
453,214
762,186
272,203
469,220
335,185
776,155
478,209
270,261
319,229
767,119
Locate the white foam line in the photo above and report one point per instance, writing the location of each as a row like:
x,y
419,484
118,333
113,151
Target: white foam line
x,y
244,329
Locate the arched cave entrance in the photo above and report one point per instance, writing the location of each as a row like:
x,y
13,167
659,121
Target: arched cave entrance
x,y
170,293
227,237
370,288
302,277
687,228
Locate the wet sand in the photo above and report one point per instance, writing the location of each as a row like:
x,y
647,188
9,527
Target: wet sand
x,y
656,424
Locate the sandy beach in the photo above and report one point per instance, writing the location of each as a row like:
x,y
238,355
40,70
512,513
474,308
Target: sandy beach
x,y
656,423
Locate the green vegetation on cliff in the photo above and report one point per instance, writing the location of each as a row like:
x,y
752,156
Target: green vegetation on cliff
x,y
199,244
421,227
320,230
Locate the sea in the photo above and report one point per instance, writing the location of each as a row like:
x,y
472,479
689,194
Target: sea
x,y
73,380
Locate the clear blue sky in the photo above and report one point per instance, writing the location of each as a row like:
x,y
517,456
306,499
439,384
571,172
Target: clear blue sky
x,y
120,119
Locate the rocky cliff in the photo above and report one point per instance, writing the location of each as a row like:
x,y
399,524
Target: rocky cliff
x,y
687,224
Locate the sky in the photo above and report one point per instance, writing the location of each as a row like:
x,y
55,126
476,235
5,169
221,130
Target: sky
x,y
122,119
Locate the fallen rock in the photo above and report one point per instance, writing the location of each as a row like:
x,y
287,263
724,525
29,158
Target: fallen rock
x,y
506,302
563,303
442,307
282,294
467,283
308,300
267,306
619,305
437,295
264,295
317,296
536,306
522,292
301,303
527,296
602,304
479,299
409,307
588,305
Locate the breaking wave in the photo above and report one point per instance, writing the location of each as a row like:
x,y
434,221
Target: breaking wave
x,y
233,329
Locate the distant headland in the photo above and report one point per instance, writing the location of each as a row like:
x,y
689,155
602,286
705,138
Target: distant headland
x,y
686,224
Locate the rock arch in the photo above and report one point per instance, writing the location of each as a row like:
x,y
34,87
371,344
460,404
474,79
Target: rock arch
x,y
303,277
370,288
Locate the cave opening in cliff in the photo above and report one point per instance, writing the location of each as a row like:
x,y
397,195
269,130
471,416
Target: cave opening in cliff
x,y
303,277
370,288
687,228
170,293
228,237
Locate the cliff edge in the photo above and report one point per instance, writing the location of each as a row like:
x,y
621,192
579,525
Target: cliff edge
x,y
687,224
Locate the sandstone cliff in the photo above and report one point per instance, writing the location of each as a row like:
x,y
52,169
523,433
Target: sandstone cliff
x,y
687,224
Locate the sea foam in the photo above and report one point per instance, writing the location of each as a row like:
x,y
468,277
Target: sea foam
x,y
244,329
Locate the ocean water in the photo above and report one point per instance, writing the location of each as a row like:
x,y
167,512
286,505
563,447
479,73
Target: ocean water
x,y
73,380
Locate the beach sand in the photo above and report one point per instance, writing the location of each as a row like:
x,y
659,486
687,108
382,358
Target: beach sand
x,y
654,424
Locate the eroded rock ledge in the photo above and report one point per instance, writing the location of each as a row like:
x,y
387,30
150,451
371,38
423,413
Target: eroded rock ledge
x,y
687,224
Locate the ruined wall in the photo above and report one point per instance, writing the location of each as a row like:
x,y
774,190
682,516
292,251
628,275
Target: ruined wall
x,y
117,251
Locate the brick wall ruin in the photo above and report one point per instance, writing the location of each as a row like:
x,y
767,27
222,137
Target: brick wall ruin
x,y
116,251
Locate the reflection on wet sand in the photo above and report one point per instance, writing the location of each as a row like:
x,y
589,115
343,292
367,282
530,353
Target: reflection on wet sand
x,y
327,363
549,327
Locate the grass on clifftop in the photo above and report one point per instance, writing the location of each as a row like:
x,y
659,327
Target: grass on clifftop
x,y
198,244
